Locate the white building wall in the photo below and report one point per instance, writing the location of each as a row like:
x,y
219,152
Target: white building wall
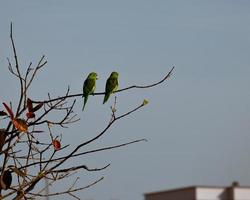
x,y
241,193
210,194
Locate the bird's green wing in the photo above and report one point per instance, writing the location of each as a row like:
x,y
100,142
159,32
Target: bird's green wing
x,y
111,86
88,88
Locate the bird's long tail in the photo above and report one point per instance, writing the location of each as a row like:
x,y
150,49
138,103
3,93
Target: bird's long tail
x,y
85,101
106,97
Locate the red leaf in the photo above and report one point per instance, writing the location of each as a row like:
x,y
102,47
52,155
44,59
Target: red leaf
x,y
9,110
20,124
37,107
29,105
56,144
30,115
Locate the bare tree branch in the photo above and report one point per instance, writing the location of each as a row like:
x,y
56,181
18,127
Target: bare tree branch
x,y
31,146
120,90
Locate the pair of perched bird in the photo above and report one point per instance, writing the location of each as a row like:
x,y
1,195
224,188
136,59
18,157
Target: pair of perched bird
x,y
90,85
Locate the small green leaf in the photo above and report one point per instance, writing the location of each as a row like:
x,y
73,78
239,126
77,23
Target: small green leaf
x,y
145,102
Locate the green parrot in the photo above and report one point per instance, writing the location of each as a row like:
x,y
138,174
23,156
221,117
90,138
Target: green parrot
x,y
89,87
111,86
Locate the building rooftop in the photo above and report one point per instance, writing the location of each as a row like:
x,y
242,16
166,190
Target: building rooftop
x,y
201,192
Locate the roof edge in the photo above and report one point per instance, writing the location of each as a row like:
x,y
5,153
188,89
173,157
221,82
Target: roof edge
x,y
194,187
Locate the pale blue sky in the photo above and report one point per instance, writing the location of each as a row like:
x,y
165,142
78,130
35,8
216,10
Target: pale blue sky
x,y
197,123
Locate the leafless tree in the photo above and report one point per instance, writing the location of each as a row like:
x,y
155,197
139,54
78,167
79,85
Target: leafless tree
x,y
27,158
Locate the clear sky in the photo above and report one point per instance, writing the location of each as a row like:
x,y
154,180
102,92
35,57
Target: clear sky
x,y
197,123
